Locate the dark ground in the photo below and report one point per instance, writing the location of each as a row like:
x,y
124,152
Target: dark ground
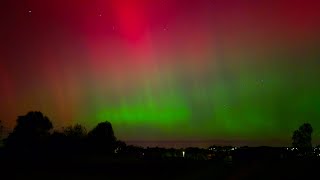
x,y
162,169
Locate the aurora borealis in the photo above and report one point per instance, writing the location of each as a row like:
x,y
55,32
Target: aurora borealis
x,y
241,71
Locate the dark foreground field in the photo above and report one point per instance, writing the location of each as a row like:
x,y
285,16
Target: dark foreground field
x,y
164,169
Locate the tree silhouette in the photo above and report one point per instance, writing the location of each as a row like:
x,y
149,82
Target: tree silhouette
x,y
301,138
76,131
102,137
31,130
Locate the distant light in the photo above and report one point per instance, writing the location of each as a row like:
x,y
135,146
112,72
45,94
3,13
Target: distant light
x,y
183,153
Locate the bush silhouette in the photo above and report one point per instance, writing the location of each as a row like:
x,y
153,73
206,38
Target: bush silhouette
x,y
77,131
73,139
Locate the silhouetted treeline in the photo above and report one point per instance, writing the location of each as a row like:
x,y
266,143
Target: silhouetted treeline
x,y
34,136
35,147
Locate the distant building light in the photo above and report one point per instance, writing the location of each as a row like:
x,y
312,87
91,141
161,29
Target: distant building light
x,y
183,153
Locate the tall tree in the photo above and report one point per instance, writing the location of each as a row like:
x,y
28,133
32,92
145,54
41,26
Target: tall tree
x,y
31,129
102,137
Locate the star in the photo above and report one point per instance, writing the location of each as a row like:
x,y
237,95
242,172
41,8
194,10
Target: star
x,y
29,12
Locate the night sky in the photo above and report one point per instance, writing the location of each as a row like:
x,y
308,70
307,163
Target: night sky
x,y
235,71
